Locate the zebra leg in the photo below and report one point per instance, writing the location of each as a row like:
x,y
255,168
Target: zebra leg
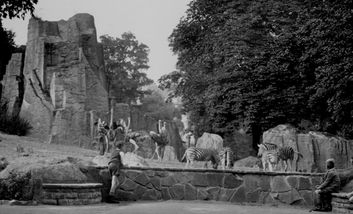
x,y
158,155
228,161
107,144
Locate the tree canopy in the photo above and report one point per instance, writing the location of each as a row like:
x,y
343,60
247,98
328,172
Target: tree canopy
x,y
264,63
126,60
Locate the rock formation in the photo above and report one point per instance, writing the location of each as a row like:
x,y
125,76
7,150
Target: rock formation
x,y
13,83
64,79
315,147
210,141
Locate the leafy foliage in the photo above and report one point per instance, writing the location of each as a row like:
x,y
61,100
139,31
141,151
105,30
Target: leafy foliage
x,y
156,106
13,187
12,124
16,8
126,60
263,63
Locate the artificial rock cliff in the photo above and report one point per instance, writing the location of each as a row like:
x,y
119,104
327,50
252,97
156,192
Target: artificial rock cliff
x,y
64,79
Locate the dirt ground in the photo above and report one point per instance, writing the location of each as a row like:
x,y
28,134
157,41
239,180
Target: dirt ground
x,y
170,207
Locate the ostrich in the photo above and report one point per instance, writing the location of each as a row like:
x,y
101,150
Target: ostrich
x,y
160,139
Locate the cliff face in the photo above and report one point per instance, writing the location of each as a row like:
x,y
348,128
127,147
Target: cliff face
x,y
64,79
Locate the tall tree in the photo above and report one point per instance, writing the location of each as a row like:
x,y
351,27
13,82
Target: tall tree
x,y
257,62
126,61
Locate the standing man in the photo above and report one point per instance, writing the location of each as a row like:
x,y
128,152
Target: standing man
x,y
330,184
114,165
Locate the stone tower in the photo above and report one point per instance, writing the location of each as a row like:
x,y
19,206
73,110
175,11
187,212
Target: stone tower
x,y
64,79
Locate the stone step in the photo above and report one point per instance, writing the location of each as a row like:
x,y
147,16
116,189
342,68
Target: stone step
x,y
341,204
71,194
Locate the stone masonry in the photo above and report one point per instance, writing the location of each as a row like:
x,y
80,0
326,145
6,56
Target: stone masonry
x,y
203,184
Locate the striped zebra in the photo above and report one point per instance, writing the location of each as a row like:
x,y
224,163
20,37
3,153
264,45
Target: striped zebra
x,y
270,154
226,155
200,154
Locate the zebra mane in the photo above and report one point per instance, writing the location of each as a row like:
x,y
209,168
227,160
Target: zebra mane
x,y
269,146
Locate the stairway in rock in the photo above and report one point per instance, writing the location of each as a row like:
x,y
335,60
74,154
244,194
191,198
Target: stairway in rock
x,y
71,194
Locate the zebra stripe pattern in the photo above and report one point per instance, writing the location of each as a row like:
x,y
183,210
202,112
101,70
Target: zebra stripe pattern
x,y
199,154
226,156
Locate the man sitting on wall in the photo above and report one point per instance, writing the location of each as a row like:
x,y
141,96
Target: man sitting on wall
x,y
330,184
114,165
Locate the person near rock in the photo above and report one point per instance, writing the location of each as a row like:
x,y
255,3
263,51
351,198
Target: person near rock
x,y
330,184
114,165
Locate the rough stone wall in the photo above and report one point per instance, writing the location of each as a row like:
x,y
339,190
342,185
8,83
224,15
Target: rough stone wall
x,y
315,147
231,186
64,79
13,83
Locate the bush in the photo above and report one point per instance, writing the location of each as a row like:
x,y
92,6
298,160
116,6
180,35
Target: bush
x,y
12,124
14,187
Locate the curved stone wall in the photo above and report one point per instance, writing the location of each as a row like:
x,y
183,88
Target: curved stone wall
x,y
203,184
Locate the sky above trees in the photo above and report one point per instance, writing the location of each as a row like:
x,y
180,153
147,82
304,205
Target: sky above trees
x,y
150,21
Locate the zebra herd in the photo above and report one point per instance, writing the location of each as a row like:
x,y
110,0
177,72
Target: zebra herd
x,y
271,156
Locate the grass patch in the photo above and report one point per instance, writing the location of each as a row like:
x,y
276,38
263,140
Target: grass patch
x,y
12,124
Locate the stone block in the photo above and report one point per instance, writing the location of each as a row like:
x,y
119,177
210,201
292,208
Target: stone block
x,y
279,184
177,191
149,173
161,173
151,194
232,181
214,179
213,192
49,201
125,196
139,191
265,183
168,181
183,177
200,180
289,197
128,185
239,196
156,182
142,179
304,184
263,196
225,194
251,182
132,174
292,181
190,192
254,196
202,194
166,193
307,195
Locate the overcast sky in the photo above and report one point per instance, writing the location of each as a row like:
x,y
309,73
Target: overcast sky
x,y
152,21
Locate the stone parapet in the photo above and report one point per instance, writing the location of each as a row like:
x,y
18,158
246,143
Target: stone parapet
x,y
71,194
219,185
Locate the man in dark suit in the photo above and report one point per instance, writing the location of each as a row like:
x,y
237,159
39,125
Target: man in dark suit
x,y
114,165
330,184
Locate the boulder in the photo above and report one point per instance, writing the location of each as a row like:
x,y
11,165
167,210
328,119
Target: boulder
x,y
169,154
283,135
131,159
210,141
251,162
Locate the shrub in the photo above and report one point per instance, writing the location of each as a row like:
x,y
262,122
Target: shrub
x,y
14,187
12,124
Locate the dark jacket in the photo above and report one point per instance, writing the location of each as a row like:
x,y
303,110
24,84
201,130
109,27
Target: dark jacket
x,y
115,158
331,182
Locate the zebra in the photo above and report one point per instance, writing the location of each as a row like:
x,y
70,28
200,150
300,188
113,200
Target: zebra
x,y
200,154
226,156
270,154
